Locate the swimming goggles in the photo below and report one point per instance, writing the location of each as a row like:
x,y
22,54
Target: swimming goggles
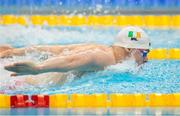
x,y
144,52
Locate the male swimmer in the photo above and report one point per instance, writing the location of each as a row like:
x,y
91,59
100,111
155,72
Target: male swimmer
x,y
130,42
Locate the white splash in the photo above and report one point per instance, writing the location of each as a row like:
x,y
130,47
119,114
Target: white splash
x,y
128,65
33,35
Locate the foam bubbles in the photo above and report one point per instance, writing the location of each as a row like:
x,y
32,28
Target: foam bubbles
x,y
128,65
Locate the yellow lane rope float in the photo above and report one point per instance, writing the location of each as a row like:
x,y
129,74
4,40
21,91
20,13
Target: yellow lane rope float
x,y
91,101
162,53
149,21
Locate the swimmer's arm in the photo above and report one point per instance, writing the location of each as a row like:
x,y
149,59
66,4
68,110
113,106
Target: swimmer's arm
x,y
67,63
77,62
87,61
12,52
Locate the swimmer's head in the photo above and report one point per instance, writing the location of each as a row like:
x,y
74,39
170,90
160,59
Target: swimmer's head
x,y
135,42
132,37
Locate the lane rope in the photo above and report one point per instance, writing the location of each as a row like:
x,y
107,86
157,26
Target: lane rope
x,y
148,21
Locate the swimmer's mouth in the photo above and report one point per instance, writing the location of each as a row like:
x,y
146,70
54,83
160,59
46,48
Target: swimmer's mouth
x,y
145,61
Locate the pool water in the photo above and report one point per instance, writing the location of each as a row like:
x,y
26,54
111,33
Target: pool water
x,y
92,111
156,76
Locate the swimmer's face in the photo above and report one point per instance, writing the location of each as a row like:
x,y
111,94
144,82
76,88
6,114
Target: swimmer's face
x,y
140,55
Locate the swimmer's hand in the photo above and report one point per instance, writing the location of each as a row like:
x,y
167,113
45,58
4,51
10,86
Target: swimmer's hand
x,y
22,68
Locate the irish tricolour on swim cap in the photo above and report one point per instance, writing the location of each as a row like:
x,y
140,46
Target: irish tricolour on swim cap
x,y
132,37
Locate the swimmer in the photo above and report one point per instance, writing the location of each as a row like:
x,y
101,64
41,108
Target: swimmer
x,y
130,42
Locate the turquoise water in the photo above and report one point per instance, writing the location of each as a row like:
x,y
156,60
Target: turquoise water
x,y
161,76
154,77
93,111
